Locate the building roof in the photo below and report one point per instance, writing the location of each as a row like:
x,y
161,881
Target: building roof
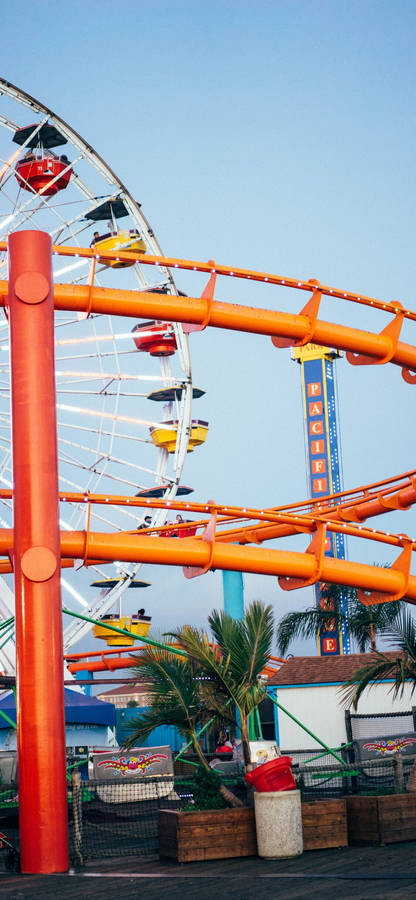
x,y
139,688
322,669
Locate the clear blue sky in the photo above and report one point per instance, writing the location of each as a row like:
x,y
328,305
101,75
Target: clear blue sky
x,y
273,135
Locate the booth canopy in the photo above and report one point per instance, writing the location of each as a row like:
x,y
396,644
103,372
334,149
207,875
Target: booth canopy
x,y
78,709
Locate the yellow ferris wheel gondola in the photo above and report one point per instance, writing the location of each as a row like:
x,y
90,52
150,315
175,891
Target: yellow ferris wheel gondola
x,y
165,434
138,625
114,241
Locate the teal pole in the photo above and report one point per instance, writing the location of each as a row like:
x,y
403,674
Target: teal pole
x,y
85,676
233,591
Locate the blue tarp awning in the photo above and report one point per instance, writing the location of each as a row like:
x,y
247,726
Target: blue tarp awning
x,y
78,708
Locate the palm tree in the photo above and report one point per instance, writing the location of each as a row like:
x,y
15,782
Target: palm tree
x,y
177,697
363,622
402,669
234,663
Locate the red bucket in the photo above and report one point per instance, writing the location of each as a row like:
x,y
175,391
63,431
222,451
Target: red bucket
x,y
275,775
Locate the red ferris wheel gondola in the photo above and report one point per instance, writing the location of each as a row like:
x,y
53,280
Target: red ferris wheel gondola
x,y
43,174
156,338
40,170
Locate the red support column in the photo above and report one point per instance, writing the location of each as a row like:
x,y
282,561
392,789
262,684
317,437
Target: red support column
x,y
40,692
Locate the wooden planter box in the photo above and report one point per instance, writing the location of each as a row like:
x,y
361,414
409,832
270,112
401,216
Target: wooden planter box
x,y
381,820
207,834
223,833
324,824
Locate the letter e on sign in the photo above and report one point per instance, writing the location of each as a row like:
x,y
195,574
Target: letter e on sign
x,y
329,645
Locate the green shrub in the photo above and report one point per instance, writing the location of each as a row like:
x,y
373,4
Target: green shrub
x,y
206,790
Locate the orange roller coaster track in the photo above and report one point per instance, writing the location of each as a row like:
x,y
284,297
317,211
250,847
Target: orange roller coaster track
x,y
351,509
362,347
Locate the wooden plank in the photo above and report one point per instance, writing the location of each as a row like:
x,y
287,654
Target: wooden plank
x,y
201,831
208,853
392,816
323,821
214,816
322,805
320,843
399,803
216,835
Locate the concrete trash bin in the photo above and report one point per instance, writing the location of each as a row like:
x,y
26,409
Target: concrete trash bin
x,y
278,824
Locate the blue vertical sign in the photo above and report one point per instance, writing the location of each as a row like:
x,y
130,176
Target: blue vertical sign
x,y
323,464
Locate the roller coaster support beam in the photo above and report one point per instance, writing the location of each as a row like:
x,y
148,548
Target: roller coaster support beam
x,y
230,316
129,547
380,348
36,559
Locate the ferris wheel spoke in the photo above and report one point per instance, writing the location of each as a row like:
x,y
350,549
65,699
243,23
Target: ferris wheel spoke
x,y
120,435
93,468
80,377
115,417
110,457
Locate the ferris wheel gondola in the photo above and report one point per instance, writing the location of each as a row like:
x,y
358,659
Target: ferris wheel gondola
x,y
103,381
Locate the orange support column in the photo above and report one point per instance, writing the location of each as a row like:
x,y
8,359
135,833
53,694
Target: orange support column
x,y
40,693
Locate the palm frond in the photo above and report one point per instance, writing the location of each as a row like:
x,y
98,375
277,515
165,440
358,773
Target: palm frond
x,y
382,669
303,624
259,627
379,669
402,632
229,635
175,692
212,664
247,643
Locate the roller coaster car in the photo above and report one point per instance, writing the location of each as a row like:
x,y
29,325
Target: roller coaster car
x,y
182,532
165,434
119,240
44,174
156,338
138,625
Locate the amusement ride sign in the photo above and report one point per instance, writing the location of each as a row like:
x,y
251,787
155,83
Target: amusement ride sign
x,y
323,464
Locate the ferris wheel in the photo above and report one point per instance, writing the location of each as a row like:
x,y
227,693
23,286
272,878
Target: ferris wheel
x,y
118,381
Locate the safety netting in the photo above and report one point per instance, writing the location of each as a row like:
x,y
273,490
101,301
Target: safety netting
x,y
322,780
366,725
119,818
